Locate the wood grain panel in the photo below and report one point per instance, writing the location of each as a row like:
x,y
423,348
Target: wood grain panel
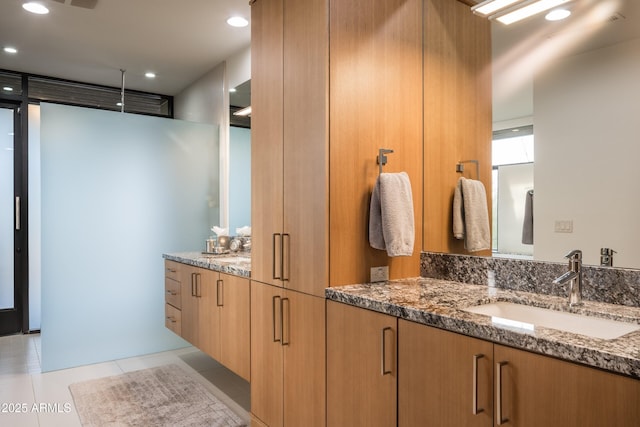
x,y
235,319
306,145
172,292
266,356
304,360
435,382
457,113
266,134
375,102
542,391
357,392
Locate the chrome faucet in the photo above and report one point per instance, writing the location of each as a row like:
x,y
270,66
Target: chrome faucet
x,y
574,276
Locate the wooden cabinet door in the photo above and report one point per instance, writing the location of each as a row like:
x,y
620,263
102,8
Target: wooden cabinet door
x,y
306,146
208,313
233,296
543,391
267,142
190,306
361,367
304,360
266,353
445,379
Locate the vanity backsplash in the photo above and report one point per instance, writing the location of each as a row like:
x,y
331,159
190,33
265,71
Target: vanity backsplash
x,y
603,284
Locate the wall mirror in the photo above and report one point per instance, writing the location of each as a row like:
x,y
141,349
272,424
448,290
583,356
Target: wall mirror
x,y
239,157
571,89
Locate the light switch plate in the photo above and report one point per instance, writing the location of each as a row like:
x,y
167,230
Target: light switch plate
x,y
564,226
380,274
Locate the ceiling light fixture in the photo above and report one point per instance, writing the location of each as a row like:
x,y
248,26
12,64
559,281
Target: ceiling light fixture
x,y
488,7
9,49
246,111
508,12
150,75
232,90
8,89
557,15
237,21
34,7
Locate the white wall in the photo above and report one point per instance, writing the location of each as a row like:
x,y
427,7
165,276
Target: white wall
x,y
587,167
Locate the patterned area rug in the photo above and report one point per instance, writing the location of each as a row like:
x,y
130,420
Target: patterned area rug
x,y
162,396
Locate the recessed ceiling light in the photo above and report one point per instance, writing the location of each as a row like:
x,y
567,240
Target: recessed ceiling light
x,y
237,21
528,10
8,89
557,15
150,75
9,49
119,104
37,8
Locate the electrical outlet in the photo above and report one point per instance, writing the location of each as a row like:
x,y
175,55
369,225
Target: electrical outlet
x,y
563,226
380,274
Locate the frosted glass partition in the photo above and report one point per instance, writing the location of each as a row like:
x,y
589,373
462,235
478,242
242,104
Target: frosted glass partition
x,y
118,190
35,211
239,178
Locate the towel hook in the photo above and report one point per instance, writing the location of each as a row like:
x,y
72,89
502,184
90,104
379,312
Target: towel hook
x,y
382,158
460,167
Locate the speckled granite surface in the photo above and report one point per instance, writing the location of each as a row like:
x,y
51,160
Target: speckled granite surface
x,y
238,263
439,303
604,284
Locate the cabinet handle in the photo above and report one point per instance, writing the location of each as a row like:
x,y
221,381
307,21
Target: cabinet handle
x,y
282,320
499,366
193,282
219,300
171,319
384,351
273,308
171,270
18,226
474,408
284,258
277,251
172,293
198,285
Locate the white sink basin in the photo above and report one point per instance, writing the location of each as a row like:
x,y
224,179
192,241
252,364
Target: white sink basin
x,y
527,317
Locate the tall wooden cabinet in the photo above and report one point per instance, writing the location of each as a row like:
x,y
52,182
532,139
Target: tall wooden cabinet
x,y
362,371
288,362
289,144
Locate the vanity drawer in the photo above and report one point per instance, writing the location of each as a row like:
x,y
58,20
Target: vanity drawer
x,y
173,318
172,292
172,270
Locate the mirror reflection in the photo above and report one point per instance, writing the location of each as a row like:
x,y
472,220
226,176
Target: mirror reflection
x,y
568,91
239,157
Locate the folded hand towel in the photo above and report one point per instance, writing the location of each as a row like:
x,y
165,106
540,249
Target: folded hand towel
x,y
471,215
391,222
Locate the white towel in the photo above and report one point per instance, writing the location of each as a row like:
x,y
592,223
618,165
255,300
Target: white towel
x,y
471,215
391,222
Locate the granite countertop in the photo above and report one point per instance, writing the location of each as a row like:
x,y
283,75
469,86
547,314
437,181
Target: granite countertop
x,y
236,263
439,303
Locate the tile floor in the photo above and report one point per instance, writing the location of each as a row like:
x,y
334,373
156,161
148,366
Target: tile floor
x,y
22,384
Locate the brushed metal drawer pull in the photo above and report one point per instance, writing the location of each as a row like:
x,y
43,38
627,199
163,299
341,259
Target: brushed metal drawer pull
x,y
171,319
282,321
273,312
172,293
384,351
219,300
499,366
285,255
276,274
171,270
474,405
198,285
